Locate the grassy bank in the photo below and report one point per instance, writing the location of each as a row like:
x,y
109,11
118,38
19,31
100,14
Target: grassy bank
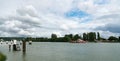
x,y
2,57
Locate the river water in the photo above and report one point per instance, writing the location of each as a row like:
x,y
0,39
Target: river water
x,y
52,51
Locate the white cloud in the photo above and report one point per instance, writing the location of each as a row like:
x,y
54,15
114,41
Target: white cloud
x,y
28,10
44,17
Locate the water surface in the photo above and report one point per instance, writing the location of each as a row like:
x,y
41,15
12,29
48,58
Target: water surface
x,y
52,51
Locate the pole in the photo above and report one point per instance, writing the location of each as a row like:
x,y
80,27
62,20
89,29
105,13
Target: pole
x,y
24,46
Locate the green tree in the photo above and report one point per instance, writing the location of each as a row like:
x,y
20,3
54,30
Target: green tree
x,y
28,39
76,37
98,36
67,38
85,36
92,36
119,39
113,39
70,36
53,36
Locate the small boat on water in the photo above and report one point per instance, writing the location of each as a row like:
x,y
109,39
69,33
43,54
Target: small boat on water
x,y
11,42
20,42
30,42
16,46
6,42
1,41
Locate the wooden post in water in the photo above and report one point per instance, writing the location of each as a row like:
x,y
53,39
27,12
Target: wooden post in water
x,y
9,47
24,45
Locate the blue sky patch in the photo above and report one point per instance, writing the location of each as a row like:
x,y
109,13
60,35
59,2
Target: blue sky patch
x,y
76,13
101,2
87,20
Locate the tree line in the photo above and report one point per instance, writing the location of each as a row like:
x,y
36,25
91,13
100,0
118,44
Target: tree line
x,y
89,37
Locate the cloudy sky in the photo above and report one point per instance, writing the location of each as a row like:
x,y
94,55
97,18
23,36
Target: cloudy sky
x,y
41,18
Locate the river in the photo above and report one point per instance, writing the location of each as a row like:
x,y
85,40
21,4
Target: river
x,y
58,51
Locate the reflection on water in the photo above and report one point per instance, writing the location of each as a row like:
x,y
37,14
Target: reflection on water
x,y
24,56
47,51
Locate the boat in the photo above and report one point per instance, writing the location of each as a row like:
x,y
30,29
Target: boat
x,y
1,41
16,46
6,42
30,42
20,42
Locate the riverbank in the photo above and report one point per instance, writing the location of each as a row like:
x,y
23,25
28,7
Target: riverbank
x,y
2,57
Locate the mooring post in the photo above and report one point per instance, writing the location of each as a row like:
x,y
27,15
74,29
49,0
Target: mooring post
x,y
9,47
24,45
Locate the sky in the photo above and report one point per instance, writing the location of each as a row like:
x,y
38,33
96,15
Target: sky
x,y
41,18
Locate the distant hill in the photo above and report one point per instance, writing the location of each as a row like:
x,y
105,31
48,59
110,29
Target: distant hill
x,y
11,38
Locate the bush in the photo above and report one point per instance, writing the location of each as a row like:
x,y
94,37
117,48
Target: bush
x,y
2,57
